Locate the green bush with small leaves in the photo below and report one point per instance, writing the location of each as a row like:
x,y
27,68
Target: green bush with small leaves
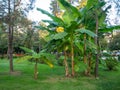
x,y
111,63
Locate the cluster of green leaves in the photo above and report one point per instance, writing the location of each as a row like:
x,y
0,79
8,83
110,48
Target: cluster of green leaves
x,y
40,57
70,25
111,63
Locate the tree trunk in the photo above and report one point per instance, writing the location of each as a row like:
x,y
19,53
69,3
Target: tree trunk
x,y
10,38
72,57
66,65
85,55
36,70
89,64
97,51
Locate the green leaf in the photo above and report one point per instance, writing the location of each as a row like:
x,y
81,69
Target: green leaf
x,y
24,58
109,28
80,66
42,28
77,68
90,33
48,56
80,47
54,18
60,35
71,12
51,22
91,45
27,50
48,62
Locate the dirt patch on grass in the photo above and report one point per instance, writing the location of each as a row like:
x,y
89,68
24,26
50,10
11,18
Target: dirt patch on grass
x,y
16,73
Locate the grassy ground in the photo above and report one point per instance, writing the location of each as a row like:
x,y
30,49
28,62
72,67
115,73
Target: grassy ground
x,y
53,79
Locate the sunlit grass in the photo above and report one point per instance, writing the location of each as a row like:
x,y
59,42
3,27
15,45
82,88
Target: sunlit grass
x,y
53,78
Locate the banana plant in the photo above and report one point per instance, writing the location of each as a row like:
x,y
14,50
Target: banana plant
x,y
94,20
65,28
37,57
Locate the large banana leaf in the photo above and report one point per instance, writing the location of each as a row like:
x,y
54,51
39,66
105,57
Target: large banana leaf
x,y
27,50
90,33
71,13
54,18
24,58
42,28
51,22
57,36
48,56
91,3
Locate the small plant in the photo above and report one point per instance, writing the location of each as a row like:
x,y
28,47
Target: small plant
x,y
111,63
37,57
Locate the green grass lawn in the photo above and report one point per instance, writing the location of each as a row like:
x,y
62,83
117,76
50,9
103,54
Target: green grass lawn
x,y
53,79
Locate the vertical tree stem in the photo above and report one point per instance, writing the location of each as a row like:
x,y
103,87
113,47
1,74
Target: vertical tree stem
x,y
72,57
10,38
66,65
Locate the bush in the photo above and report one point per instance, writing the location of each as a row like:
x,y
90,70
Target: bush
x,y
111,63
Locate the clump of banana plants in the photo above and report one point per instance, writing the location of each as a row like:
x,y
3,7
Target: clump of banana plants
x,y
65,32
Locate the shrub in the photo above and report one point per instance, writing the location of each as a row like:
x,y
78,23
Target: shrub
x,y
111,63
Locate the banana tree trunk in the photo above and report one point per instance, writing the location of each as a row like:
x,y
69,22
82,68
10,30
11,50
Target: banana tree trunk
x,y
72,57
89,64
85,55
66,65
36,70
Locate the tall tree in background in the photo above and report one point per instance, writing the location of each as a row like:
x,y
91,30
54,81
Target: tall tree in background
x,y
13,9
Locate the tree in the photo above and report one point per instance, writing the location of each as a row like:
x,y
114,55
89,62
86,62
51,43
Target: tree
x,y
12,9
